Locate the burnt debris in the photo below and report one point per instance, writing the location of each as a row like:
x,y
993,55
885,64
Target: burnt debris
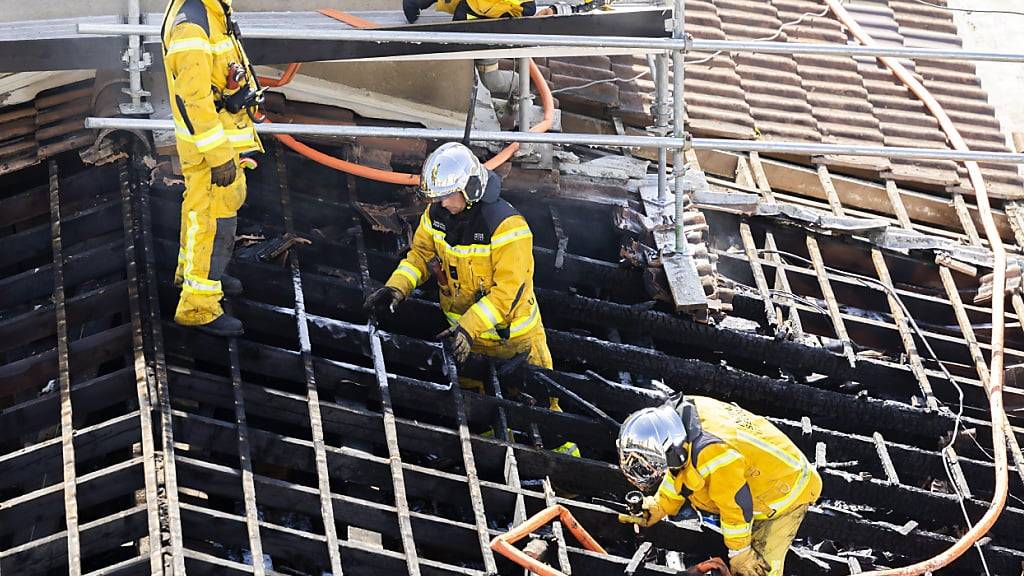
x,y
319,443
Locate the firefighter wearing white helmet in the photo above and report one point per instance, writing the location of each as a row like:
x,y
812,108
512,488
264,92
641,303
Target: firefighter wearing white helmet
x,y
480,250
725,461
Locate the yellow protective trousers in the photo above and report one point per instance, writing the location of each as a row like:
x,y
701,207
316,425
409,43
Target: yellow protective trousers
x,y
535,342
771,538
208,223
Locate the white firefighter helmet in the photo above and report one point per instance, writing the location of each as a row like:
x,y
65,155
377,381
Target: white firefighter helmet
x,y
647,441
453,168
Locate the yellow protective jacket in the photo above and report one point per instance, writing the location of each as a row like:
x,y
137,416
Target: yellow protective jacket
x,y
742,468
198,52
487,8
485,256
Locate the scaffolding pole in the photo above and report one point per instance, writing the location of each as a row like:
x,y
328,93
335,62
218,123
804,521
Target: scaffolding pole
x,y
610,140
524,94
544,41
661,119
678,116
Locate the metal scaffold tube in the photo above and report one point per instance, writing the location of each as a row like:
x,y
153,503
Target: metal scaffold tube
x,y
524,94
678,117
543,41
661,121
611,140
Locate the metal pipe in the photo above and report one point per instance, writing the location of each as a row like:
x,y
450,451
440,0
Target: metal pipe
x,y
134,44
661,121
678,161
611,140
547,40
524,94
137,61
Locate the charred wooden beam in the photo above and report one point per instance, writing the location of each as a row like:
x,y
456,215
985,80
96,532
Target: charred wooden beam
x,y
50,553
245,457
802,357
110,483
409,395
616,282
919,467
469,465
89,352
23,470
911,501
312,394
426,481
37,324
78,188
143,385
291,543
783,397
37,284
171,532
864,329
445,489
80,226
789,354
67,425
437,533
28,418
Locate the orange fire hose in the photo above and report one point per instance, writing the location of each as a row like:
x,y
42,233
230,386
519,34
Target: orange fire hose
x,y
995,384
503,544
285,78
387,176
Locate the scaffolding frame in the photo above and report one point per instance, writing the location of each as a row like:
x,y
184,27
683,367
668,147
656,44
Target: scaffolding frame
x,y
677,46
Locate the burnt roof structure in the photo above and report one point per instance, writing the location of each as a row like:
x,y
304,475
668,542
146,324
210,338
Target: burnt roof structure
x,y
846,301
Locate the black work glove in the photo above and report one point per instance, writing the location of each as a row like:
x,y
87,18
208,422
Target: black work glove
x,y
224,174
459,340
386,298
412,10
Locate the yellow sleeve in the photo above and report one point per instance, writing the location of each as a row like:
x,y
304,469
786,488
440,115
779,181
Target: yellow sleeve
x,y
412,270
512,259
190,61
724,471
669,498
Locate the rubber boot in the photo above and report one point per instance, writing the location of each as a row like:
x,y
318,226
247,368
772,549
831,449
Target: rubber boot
x,y
231,286
223,325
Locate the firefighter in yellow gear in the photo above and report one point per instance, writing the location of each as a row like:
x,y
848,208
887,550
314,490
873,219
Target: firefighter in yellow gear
x,y
497,81
214,95
480,250
471,9
725,461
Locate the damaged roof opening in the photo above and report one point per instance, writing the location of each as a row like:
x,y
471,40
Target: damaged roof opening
x,y
848,300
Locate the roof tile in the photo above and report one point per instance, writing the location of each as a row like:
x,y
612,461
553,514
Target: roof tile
x,y
815,98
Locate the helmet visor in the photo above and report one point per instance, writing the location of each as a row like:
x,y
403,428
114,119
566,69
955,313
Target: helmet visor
x,y
641,471
432,194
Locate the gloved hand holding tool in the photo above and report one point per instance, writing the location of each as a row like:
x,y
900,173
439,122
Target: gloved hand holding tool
x,y
459,340
386,298
224,174
650,513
